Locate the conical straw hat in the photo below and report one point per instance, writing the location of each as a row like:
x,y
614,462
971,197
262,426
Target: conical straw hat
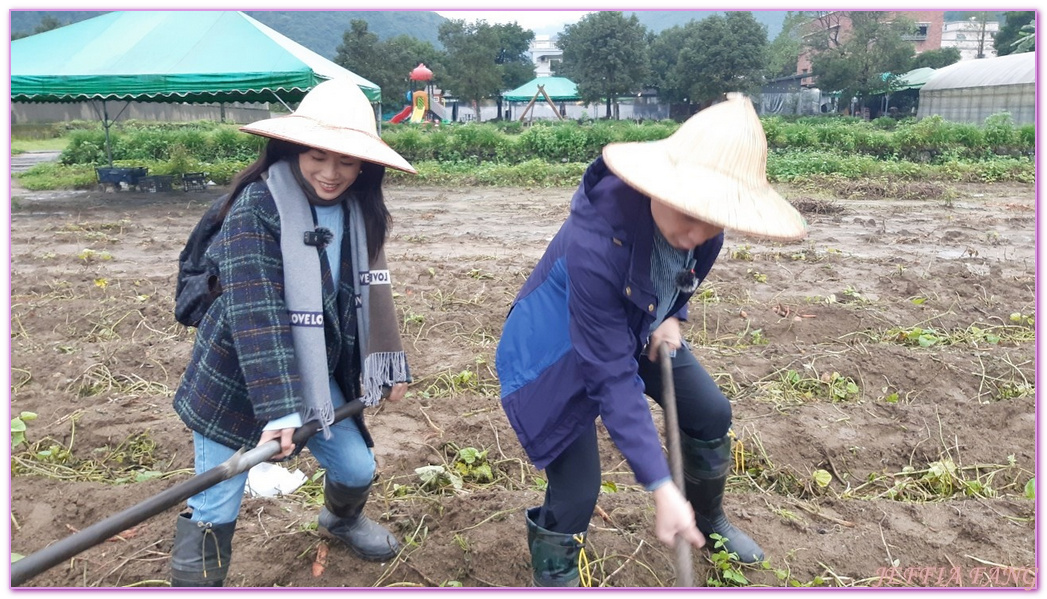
x,y
714,168
335,116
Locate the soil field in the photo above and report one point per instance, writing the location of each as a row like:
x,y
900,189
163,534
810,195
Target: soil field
x,y
881,373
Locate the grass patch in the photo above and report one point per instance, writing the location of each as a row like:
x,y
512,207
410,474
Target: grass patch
x,y
23,145
52,175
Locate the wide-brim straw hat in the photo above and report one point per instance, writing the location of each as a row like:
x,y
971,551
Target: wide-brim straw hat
x,y
334,116
714,168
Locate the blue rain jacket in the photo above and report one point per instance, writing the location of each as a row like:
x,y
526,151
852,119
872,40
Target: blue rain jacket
x,y
570,346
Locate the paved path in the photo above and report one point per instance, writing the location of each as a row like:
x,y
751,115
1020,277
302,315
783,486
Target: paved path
x,y
25,160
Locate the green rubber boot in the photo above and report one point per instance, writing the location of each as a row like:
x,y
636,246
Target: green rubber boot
x,y
554,555
705,467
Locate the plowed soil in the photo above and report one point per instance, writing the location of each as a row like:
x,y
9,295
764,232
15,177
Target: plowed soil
x,y
881,373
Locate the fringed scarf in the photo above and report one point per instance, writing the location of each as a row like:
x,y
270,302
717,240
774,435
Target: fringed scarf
x,y
383,361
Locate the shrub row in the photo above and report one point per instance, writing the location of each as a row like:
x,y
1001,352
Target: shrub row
x,y
931,140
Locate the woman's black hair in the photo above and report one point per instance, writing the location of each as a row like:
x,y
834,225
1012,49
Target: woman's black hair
x,y
367,188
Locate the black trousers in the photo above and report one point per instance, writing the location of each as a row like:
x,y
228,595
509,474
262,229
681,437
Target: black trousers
x,y
574,476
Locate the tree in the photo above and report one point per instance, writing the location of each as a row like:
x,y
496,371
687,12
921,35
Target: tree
x,y
664,54
513,59
1011,31
606,55
389,63
473,54
1027,41
358,51
724,54
936,59
783,52
868,61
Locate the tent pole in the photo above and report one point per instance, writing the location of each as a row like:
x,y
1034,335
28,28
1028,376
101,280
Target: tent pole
x,y
106,124
279,99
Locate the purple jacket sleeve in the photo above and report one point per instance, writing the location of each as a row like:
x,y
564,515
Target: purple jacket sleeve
x,y
605,349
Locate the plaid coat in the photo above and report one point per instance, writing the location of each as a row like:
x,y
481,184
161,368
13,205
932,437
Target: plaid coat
x,y
242,373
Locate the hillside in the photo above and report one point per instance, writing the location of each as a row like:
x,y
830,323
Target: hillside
x,y
319,30
660,20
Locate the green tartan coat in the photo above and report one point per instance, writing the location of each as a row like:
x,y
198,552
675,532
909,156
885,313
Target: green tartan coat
x,y
242,373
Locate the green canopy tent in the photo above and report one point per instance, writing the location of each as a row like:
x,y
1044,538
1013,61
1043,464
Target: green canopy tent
x,y
555,89
912,80
168,56
558,88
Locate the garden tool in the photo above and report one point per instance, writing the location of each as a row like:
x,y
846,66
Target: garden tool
x,y
554,555
684,571
242,461
342,517
706,464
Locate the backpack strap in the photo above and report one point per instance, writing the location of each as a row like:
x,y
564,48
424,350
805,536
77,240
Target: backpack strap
x,y
198,285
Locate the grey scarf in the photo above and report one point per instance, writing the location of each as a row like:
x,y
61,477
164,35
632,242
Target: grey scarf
x,y
383,361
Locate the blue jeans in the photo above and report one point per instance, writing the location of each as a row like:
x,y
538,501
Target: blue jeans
x,y
345,456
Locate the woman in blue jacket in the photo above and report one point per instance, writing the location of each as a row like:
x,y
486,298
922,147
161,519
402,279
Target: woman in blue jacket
x,y
582,337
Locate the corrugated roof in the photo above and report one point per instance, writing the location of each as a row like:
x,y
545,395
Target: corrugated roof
x,y
1012,69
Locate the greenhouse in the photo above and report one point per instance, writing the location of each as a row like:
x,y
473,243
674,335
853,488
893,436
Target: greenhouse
x,y
972,90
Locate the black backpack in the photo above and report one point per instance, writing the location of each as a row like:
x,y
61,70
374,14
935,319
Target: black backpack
x,y
198,285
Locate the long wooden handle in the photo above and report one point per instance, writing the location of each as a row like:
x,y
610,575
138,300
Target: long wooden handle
x,y
684,569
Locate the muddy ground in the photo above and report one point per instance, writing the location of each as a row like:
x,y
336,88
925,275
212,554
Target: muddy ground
x,y
864,443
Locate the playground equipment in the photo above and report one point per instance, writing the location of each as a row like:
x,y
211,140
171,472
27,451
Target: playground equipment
x,y
420,108
530,105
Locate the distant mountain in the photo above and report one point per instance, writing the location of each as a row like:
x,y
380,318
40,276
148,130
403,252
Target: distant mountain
x,y
25,21
319,30
660,20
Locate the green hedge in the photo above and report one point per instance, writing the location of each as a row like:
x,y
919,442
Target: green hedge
x,y
555,153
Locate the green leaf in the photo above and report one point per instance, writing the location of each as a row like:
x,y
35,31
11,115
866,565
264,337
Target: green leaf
x,y
927,340
27,416
16,556
608,487
822,478
1030,488
468,454
17,426
918,300
892,398
147,475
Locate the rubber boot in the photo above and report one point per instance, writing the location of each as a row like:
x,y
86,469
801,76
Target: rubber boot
x,y
705,467
554,555
201,553
342,517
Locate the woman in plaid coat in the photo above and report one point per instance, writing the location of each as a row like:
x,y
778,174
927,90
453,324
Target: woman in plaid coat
x,y
247,381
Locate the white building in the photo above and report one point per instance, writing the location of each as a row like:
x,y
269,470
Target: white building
x,y
969,37
544,53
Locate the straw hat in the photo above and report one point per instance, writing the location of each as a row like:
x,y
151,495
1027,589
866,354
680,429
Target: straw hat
x,y
714,168
337,117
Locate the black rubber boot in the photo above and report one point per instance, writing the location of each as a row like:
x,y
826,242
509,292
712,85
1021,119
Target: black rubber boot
x,y
342,517
201,553
705,467
554,555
